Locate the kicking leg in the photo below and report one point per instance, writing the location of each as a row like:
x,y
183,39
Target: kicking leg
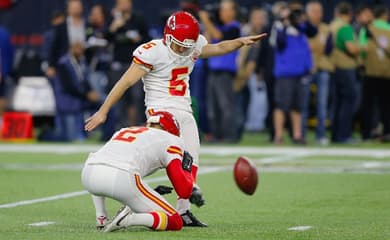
x,y
190,136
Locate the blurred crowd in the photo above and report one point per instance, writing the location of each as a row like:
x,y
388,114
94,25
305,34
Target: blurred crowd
x,y
333,77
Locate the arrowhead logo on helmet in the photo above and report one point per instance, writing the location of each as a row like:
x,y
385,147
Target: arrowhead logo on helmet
x,y
172,22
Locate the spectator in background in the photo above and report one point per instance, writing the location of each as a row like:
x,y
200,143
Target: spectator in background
x,y
6,59
344,57
223,69
321,46
293,64
70,31
126,31
376,84
57,18
98,59
364,17
265,63
247,69
72,92
97,54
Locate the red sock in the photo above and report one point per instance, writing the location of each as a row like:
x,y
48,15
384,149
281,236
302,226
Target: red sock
x,y
194,172
162,221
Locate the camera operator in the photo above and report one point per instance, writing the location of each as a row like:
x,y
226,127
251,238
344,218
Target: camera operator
x,y
293,64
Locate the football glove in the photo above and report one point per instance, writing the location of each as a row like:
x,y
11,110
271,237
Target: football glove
x,y
197,197
162,190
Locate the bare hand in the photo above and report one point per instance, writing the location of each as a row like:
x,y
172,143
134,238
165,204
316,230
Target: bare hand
x,y
203,15
51,72
116,24
249,40
93,96
94,121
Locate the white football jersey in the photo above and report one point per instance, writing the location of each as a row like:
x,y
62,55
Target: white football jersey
x,y
139,149
166,84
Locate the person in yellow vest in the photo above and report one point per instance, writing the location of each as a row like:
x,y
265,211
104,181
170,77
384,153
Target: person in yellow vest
x,y
344,56
321,45
376,84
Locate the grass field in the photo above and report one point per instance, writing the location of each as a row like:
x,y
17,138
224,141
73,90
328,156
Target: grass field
x,y
341,193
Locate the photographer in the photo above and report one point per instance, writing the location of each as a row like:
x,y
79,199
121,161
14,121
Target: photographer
x,y
293,64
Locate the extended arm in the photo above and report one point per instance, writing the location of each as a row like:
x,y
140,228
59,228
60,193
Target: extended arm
x,y
128,79
228,46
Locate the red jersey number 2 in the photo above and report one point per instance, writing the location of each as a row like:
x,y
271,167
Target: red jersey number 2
x,y
177,86
129,134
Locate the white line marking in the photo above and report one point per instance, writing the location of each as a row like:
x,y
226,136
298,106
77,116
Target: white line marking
x,y
375,164
202,171
281,158
215,150
45,199
42,167
300,228
41,224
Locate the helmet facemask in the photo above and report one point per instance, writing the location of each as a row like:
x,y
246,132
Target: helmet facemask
x,y
188,44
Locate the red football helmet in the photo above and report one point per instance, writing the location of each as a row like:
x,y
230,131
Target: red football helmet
x,y
166,120
182,29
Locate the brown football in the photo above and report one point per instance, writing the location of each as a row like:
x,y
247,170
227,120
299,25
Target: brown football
x,y
245,175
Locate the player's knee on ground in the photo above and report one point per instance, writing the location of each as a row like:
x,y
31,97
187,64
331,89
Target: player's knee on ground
x,y
162,221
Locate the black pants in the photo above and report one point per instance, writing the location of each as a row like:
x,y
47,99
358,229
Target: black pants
x,y
376,96
221,105
345,96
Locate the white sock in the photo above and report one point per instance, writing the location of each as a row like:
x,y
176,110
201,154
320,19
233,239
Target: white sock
x,y
138,219
183,205
100,206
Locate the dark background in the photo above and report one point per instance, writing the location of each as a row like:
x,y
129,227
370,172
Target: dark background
x,y
29,18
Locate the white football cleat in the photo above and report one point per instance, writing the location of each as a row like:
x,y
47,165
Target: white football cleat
x,y
101,222
116,222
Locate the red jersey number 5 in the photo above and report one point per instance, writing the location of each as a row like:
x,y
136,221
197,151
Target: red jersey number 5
x,y
177,86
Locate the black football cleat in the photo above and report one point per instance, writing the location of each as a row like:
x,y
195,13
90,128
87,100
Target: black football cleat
x,y
189,220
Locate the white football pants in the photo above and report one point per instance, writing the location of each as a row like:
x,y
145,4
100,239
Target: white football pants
x,y
125,187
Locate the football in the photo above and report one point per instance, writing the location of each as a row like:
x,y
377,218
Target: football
x,y
245,175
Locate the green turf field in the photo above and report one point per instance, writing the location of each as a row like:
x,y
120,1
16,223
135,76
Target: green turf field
x,y
341,193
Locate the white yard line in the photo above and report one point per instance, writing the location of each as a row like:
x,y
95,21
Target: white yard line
x,y
41,224
45,199
205,170
42,167
281,158
215,150
300,228
78,166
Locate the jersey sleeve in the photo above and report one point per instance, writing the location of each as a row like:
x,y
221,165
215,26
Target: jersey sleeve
x,y
182,181
174,149
145,55
173,152
200,43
